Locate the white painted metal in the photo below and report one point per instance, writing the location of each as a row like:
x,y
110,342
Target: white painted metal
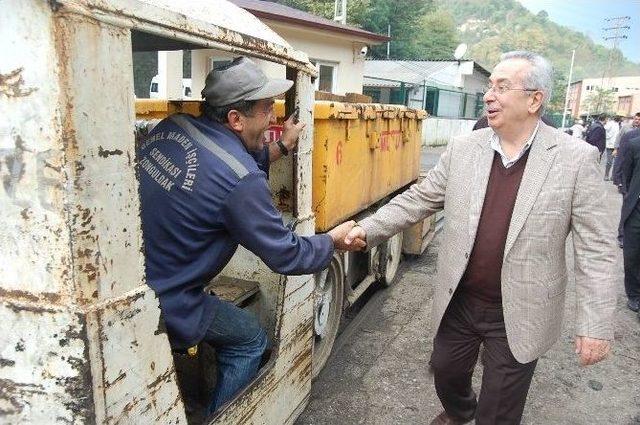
x,y
79,339
216,24
170,75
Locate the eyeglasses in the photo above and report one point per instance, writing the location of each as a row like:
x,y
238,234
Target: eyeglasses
x,y
503,88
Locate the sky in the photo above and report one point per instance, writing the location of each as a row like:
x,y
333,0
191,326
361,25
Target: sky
x,y
588,17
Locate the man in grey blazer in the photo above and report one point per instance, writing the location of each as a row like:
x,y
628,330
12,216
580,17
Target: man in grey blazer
x,y
512,194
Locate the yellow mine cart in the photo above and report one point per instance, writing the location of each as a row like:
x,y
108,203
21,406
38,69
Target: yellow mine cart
x,y
361,154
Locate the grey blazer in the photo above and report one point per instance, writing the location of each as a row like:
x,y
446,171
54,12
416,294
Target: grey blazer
x,y
562,191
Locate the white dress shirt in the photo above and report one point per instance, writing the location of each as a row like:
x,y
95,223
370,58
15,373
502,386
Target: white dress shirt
x,y
506,161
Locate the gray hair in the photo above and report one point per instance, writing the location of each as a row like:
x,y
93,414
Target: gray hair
x,y
540,76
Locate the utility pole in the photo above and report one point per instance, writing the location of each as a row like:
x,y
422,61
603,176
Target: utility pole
x,y
614,32
340,11
566,96
388,42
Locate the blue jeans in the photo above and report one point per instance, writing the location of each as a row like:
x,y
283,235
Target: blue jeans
x,y
239,342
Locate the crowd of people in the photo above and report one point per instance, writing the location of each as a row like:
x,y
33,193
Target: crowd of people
x,y
617,137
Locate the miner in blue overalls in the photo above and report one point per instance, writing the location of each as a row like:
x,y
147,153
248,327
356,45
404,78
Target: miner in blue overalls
x,y
204,191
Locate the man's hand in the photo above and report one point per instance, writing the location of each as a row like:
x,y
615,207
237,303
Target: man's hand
x,y
291,131
355,239
339,234
591,350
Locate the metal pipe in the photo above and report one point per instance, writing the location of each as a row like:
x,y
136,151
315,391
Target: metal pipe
x,y
388,42
566,96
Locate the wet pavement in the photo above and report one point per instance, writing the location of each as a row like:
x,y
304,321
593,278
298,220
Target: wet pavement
x,y
378,373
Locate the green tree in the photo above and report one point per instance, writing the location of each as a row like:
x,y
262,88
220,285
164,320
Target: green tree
x,y
411,25
322,8
558,92
438,36
404,17
599,101
542,15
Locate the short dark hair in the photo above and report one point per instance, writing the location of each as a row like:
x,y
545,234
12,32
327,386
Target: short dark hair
x,y
637,114
220,114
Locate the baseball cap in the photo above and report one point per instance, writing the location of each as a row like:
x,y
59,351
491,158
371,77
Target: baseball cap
x,y
241,80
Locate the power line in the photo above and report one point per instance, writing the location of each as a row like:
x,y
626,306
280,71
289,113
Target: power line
x,y
618,29
616,26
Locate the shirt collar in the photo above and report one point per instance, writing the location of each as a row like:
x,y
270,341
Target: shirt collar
x,y
508,162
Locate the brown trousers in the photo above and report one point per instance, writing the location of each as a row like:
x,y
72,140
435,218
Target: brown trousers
x,y
467,323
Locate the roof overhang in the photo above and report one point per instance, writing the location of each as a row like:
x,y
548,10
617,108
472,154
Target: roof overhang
x,y
360,34
193,24
481,69
284,14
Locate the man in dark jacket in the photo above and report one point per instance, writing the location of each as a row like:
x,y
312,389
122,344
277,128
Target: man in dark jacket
x,y
597,135
631,219
620,153
204,191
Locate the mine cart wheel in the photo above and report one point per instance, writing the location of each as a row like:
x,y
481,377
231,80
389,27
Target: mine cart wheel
x,y
390,253
327,311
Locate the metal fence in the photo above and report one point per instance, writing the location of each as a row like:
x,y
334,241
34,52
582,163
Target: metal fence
x,y
447,103
439,102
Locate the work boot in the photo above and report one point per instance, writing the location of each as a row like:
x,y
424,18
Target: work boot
x,y
444,419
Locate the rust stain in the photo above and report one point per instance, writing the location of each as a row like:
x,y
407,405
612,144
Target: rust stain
x,y
12,84
20,345
6,362
84,253
284,199
165,377
24,296
107,153
79,167
129,314
120,377
55,5
16,395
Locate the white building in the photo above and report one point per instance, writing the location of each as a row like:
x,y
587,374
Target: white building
x,y
444,88
626,91
336,49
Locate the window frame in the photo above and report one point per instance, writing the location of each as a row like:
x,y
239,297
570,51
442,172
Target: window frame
x,y
334,74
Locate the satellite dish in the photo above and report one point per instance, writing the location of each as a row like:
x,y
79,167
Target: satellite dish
x,y
460,51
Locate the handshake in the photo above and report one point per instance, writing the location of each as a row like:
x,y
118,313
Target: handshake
x,y
348,236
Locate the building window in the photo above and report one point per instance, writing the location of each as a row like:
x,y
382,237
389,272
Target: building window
x,y
326,76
